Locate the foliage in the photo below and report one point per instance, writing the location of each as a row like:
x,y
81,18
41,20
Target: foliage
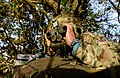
x,y
23,23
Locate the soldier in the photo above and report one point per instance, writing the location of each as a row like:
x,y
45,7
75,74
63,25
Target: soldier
x,y
92,49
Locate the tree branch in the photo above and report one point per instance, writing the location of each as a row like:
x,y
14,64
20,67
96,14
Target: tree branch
x,y
79,6
58,6
51,3
119,14
117,9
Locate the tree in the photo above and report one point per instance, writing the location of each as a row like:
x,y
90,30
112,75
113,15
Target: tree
x,y
23,22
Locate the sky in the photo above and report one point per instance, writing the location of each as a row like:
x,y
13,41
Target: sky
x,y
112,17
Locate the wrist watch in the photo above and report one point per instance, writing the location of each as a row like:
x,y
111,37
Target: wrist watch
x,y
75,41
75,44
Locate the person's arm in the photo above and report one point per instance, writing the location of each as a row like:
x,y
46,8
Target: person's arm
x,y
75,44
70,38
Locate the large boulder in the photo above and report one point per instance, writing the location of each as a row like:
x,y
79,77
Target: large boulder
x,y
56,67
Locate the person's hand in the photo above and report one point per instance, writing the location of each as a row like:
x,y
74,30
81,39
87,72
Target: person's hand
x,y
50,51
47,41
69,34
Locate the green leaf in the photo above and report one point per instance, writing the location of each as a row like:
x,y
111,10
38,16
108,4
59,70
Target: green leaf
x,y
1,57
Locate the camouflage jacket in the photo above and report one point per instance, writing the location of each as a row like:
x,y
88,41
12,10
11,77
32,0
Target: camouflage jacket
x,y
95,50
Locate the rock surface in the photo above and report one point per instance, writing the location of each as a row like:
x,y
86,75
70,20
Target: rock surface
x,y
55,67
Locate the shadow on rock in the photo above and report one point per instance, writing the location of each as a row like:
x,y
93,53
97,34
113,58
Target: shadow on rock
x,y
61,73
112,72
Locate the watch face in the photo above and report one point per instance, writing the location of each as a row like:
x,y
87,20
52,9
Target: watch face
x,y
75,40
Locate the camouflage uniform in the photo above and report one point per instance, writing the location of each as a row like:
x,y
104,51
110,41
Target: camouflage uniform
x,y
94,49
97,51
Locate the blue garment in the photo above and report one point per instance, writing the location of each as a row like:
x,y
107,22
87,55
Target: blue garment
x,y
75,47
